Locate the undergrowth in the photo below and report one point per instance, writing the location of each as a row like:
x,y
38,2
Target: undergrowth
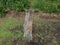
x,y
10,29
45,31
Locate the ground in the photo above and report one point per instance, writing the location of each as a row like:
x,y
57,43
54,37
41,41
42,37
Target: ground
x,y
46,29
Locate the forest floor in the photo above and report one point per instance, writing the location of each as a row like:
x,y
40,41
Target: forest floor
x,y
46,28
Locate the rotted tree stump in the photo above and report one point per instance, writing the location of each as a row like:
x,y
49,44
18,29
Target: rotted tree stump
x,y
28,25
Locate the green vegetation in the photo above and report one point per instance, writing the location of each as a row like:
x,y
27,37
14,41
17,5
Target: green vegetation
x,y
43,31
18,5
10,29
51,6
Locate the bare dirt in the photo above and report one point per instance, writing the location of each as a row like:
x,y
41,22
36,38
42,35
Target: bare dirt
x,y
41,14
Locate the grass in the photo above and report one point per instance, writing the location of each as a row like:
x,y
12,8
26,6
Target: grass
x,y
50,6
10,28
45,31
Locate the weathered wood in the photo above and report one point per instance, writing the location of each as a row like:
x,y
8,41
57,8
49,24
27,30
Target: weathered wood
x,y
28,26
